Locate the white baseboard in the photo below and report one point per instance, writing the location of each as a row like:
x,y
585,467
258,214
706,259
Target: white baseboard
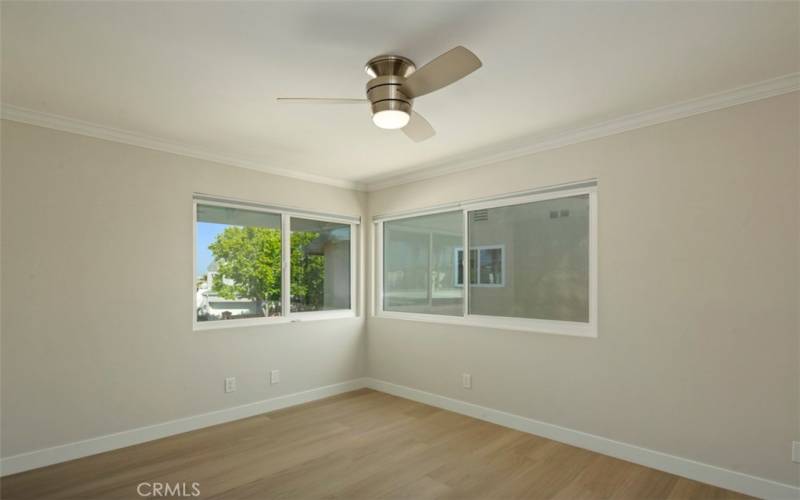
x,y
71,451
724,478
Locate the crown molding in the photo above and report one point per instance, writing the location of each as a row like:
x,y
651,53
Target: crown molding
x,y
72,125
502,151
542,142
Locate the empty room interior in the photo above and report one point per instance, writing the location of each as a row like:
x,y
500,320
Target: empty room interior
x,y
400,250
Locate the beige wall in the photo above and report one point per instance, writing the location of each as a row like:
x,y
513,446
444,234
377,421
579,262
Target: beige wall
x,y
697,353
699,272
97,293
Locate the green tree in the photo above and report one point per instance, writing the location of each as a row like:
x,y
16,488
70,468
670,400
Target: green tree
x,y
249,258
308,273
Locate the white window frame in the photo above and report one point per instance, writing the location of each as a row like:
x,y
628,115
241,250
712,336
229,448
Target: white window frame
x,y
287,316
579,329
478,284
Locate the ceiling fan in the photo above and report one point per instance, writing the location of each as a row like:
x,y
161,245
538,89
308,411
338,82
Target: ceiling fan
x,y
396,82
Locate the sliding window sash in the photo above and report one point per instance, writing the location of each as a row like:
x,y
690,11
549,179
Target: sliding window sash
x,y
580,329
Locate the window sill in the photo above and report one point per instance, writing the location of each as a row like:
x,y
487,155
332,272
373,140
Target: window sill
x,y
500,323
279,320
320,315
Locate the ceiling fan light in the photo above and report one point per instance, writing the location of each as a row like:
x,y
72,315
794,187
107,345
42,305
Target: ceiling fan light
x,y
391,119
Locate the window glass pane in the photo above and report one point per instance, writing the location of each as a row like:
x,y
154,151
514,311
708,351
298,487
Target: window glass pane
x,y
320,265
238,263
545,245
421,264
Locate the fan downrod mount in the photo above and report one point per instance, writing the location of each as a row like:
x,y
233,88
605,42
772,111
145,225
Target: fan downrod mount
x,y
389,65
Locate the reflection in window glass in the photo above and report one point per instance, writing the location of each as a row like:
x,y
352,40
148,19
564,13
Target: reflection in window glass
x,y
419,272
238,260
320,265
473,266
491,266
489,260
546,246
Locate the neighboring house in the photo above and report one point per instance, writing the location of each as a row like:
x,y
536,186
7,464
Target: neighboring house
x,y
210,306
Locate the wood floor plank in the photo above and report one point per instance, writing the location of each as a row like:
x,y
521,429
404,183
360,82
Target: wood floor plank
x,y
360,445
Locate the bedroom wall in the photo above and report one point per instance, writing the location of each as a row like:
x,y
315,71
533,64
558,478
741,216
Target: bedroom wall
x,y
697,354
97,293
692,359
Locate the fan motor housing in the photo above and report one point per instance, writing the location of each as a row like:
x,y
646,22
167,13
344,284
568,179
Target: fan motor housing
x,y
389,72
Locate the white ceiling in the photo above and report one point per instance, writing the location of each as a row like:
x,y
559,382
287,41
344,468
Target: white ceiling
x,y
207,74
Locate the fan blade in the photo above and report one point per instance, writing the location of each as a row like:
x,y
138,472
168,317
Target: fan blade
x,y
449,67
418,128
319,100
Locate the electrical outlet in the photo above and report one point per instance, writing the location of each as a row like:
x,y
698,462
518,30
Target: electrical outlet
x,y
230,384
274,376
466,380
796,451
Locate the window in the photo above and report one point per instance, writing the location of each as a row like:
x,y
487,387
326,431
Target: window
x,y
320,265
239,263
548,260
242,250
418,273
531,263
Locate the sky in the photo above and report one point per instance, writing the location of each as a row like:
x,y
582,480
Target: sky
x,y
206,234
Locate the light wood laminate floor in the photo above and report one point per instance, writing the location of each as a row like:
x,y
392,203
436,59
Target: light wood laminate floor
x,y
360,445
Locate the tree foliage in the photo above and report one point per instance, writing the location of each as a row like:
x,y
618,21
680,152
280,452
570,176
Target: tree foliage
x,y
249,260
308,272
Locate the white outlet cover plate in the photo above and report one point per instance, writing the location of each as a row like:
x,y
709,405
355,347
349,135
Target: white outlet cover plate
x,y
230,384
796,451
274,376
466,380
